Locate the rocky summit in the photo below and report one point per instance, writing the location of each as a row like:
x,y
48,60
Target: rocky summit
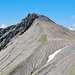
x,y
25,48
15,30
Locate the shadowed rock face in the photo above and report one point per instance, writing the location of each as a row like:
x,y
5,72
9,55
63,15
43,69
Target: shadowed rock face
x,y
27,53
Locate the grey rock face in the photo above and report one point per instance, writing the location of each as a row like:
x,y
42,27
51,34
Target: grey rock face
x,y
15,30
28,53
62,64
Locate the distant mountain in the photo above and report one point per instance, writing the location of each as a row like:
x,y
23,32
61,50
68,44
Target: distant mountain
x,y
26,46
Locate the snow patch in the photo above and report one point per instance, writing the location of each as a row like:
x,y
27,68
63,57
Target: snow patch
x,y
53,55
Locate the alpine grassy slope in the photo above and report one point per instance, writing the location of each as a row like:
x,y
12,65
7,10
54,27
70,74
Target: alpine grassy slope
x,y
27,54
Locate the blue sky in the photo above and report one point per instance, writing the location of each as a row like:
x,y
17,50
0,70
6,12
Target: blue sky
x,y
60,11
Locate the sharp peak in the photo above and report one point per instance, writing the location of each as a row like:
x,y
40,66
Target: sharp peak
x,y
35,16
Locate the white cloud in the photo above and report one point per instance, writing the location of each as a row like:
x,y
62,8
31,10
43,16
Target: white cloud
x,y
3,26
72,17
74,25
71,27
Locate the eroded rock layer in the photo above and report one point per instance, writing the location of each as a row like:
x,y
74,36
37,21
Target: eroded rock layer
x,y
28,53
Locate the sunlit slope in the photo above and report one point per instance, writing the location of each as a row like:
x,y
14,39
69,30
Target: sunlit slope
x,y
29,52
62,64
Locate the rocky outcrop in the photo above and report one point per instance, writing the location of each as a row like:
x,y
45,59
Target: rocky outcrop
x,y
28,53
15,30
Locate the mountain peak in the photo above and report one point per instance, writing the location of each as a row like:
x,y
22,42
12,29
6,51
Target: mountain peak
x,y
34,16
8,33
27,53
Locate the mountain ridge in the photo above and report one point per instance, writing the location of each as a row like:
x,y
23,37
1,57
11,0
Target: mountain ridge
x,y
28,53
8,33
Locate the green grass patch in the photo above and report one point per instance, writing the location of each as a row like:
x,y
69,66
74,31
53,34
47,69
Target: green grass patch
x,y
43,39
42,69
71,72
10,71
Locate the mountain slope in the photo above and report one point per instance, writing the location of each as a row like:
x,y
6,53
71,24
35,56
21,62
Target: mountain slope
x,y
29,52
62,64
14,31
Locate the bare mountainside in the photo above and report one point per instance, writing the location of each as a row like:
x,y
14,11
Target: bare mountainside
x,y
27,54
